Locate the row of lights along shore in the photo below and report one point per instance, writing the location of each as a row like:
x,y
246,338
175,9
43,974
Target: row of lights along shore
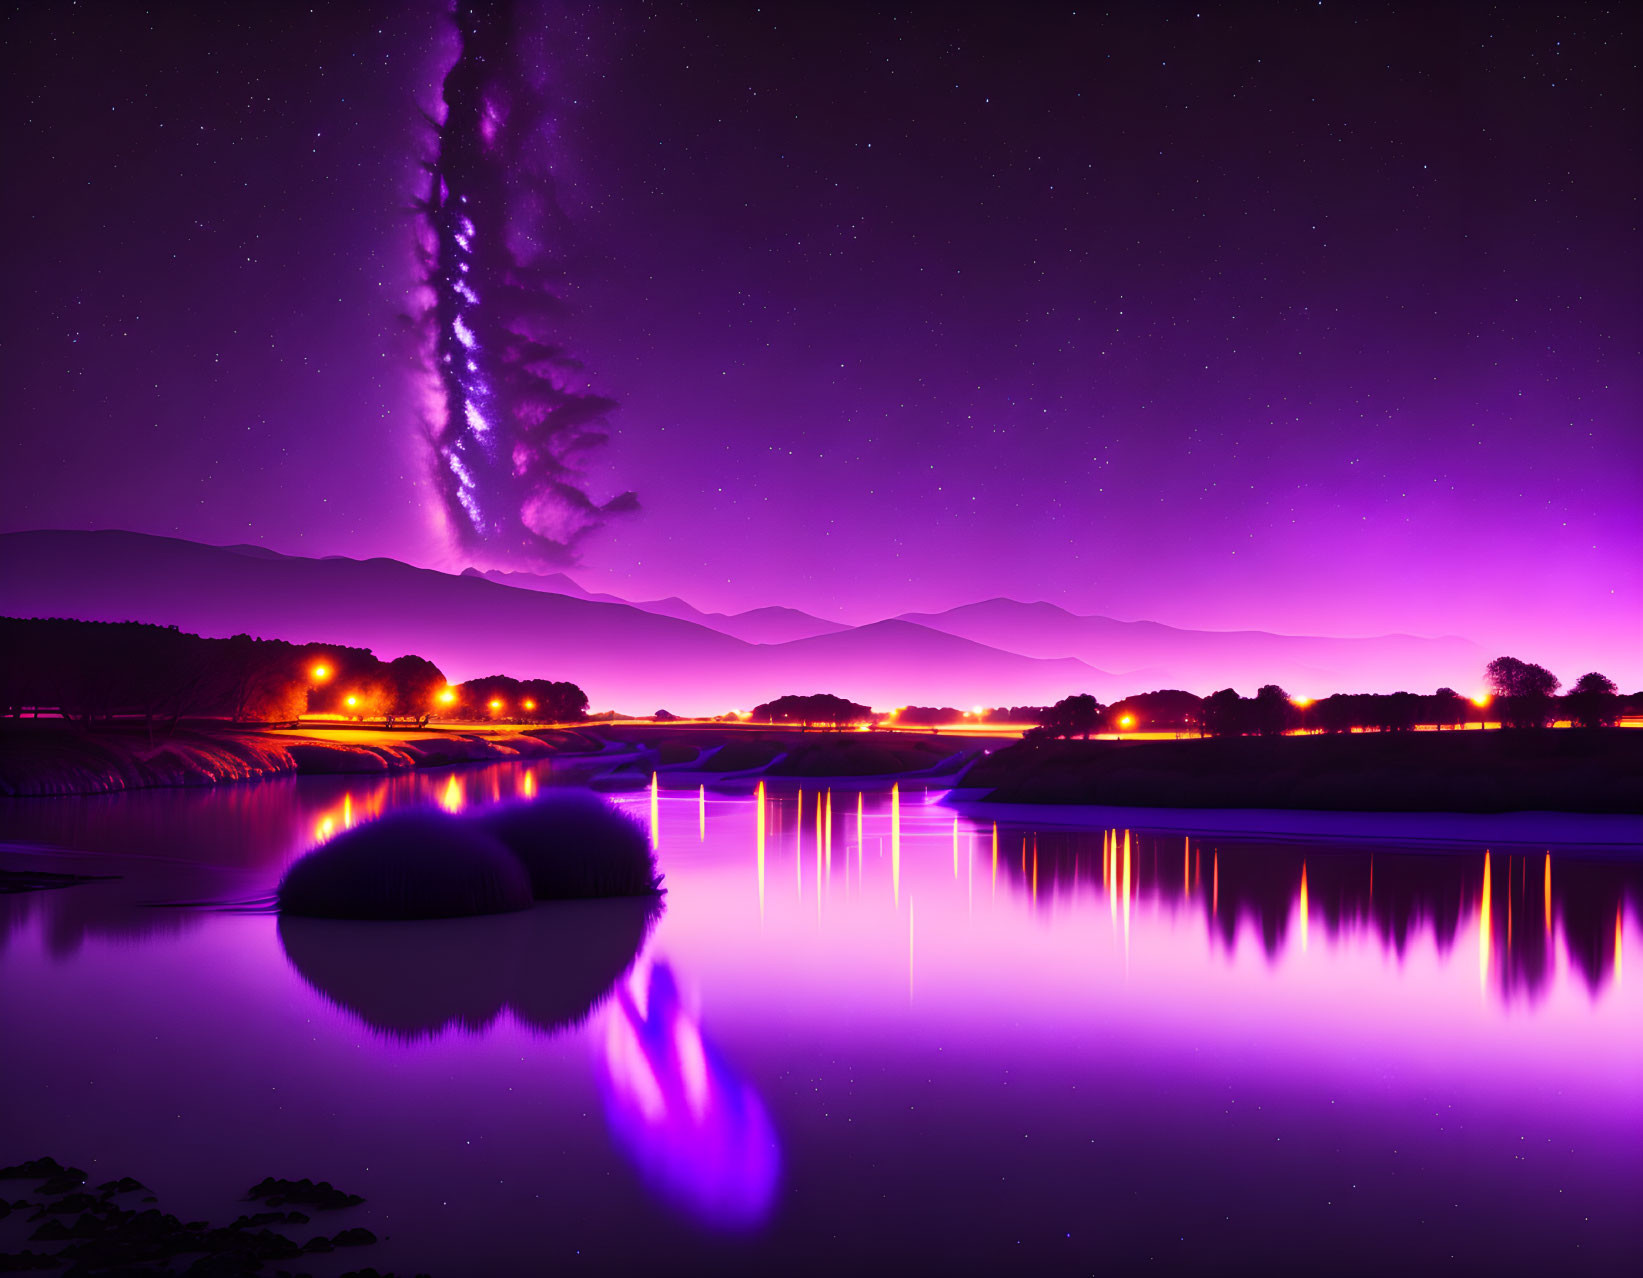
x,y
446,697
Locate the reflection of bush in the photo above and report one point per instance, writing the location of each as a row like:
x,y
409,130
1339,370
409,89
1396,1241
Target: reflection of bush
x,y
409,865
575,845
550,966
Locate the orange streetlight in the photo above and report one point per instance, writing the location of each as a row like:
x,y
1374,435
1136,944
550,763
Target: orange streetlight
x,y
496,703
530,705
1126,721
353,701
448,696
320,673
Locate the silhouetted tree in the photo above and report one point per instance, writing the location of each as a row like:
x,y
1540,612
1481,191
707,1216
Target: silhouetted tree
x,y
413,688
1523,690
818,707
1168,709
1593,701
1272,711
1224,713
1077,715
1448,708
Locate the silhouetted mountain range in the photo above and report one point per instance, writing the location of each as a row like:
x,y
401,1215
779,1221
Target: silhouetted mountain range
x,y
621,655
757,625
1154,655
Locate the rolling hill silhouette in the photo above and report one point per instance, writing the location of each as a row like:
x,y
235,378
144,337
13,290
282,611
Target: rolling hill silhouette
x,y
621,655
1156,655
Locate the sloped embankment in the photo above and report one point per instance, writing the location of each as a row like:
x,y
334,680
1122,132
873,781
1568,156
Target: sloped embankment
x,y
43,761
1553,770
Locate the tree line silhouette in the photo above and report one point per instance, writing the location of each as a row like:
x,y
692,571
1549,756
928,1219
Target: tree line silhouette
x,y
1521,695
95,672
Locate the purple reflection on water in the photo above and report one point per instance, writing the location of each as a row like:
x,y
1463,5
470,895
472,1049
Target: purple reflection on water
x,y
697,1132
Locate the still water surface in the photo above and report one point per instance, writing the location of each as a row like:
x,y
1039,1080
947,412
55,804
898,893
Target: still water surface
x,y
863,1031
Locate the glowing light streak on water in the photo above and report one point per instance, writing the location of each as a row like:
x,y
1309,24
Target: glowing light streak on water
x,y
1126,893
1304,909
1618,911
1484,938
995,858
895,843
687,1045
701,814
955,847
1548,891
760,837
655,814
527,784
1186,867
451,799
798,845
1215,869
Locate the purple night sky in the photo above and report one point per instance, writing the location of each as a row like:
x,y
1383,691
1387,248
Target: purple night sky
x,y
1313,318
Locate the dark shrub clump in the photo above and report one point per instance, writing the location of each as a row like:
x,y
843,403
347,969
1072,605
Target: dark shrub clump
x,y
409,865
575,845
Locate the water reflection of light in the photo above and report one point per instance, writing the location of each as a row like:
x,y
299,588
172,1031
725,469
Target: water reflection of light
x,y
1548,892
759,838
1304,919
527,783
701,814
697,1132
451,798
1484,929
895,843
655,813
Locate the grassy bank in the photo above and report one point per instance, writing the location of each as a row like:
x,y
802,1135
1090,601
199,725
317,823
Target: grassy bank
x,y
44,758
1550,770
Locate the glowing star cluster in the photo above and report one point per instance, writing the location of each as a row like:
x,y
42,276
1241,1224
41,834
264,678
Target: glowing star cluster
x,y
512,422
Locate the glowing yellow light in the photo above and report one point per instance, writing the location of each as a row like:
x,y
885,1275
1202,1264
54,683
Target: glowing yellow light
x,y
1126,721
895,842
448,696
322,672
978,709
1483,927
1481,700
1300,703
530,705
353,701
451,799
760,836
1304,911
496,704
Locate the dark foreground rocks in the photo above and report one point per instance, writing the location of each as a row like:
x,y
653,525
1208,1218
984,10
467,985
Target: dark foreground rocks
x,y
79,1231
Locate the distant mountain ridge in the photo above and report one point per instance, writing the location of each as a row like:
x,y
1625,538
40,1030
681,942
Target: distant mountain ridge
x,y
1203,660
623,656
757,625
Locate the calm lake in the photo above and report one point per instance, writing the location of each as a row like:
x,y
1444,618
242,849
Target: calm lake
x,y
864,1032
